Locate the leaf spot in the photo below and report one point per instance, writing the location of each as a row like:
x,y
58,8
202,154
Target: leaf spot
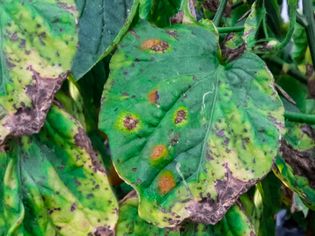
x,y
153,96
181,116
155,45
158,152
166,182
130,122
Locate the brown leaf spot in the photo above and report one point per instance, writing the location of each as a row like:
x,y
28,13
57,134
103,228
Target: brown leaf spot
x,y
156,45
103,231
73,207
130,122
178,18
158,152
166,182
180,116
153,96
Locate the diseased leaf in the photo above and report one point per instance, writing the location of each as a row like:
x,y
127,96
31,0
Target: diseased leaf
x,y
253,22
54,184
37,44
235,223
189,133
295,165
102,24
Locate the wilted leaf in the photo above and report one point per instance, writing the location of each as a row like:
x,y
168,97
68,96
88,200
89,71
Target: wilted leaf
x,y
54,184
295,165
235,223
102,24
188,132
38,41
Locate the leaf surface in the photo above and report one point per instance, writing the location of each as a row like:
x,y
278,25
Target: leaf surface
x,y
188,133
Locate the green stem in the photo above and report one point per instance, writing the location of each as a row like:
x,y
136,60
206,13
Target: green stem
x,y
301,20
300,117
310,28
223,30
218,15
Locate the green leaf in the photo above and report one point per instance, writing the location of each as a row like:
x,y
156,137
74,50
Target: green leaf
x,y
235,223
267,201
299,44
102,24
37,44
189,133
159,12
54,184
295,165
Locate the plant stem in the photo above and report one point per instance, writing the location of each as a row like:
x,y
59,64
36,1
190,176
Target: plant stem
x,y
219,13
310,27
300,117
223,30
301,20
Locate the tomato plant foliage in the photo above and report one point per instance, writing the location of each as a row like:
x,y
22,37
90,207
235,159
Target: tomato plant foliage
x,y
173,117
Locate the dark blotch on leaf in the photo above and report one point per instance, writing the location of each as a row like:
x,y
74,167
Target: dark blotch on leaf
x,y
180,116
130,123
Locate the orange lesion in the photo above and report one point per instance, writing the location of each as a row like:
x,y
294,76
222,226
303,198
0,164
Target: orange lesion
x,y
153,96
166,182
158,152
155,45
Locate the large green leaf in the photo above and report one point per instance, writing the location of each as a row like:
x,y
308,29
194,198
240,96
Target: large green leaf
x,y
235,223
188,132
102,24
38,41
54,184
295,165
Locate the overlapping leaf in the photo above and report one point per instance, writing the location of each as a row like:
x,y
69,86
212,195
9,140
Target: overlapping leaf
x,y
295,165
102,24
188,132
37,44
54,184
235,223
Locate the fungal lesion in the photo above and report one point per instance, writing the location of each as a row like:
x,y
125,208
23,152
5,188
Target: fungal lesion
x,y
166,182
155,45
153,96
158,152
128,122
181,116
